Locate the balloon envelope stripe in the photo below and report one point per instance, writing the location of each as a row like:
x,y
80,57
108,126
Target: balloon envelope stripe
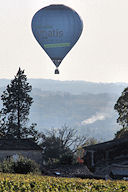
x,y
57,45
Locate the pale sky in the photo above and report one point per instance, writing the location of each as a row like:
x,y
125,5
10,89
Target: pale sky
x,y
100,55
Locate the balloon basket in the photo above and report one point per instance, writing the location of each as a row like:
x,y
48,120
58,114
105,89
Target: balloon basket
x,y
56,71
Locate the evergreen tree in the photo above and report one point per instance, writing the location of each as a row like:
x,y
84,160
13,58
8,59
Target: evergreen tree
x,y
16,105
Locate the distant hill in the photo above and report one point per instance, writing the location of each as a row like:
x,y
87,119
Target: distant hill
x,y
78,87
86,106
73,87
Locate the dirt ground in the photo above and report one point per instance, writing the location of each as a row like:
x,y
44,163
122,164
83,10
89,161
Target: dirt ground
x,y
67,170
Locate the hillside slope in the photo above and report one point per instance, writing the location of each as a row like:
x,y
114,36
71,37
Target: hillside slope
x,y
85,106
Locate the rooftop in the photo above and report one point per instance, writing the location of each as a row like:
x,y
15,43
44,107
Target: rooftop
x,y
18,144
108,144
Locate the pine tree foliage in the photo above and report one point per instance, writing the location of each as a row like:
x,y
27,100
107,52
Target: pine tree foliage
x,y
16,105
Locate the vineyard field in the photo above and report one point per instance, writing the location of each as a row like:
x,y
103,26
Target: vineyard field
x,y
36,183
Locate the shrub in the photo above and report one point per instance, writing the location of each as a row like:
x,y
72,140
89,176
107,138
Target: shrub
x,y
66,159
22,165
6,166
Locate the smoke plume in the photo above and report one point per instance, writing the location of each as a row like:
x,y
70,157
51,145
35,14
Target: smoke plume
x,y
94,118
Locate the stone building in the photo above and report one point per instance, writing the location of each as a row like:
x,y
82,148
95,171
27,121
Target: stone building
x,y
25,147
114,151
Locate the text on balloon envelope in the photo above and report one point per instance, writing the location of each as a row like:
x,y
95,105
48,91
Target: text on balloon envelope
x,y
50,33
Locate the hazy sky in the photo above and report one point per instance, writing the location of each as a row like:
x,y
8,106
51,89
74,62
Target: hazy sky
x,y
100,55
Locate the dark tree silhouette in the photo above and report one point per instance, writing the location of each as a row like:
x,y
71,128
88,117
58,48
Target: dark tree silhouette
x,y
60,144
16,106
121,107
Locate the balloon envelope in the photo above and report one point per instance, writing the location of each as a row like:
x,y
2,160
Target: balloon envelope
x,y
57,28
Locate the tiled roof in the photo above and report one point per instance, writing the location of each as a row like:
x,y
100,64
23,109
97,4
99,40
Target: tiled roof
x,y
18,144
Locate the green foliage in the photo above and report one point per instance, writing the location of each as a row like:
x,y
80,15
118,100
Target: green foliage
x,y
33,183
6,166
121,107
22,165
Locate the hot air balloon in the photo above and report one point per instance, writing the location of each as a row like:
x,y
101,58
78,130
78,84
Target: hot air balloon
x,y
57,28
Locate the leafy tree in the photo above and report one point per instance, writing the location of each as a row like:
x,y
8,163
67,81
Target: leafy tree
x,y
122,133
60,144
121,107
16,105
